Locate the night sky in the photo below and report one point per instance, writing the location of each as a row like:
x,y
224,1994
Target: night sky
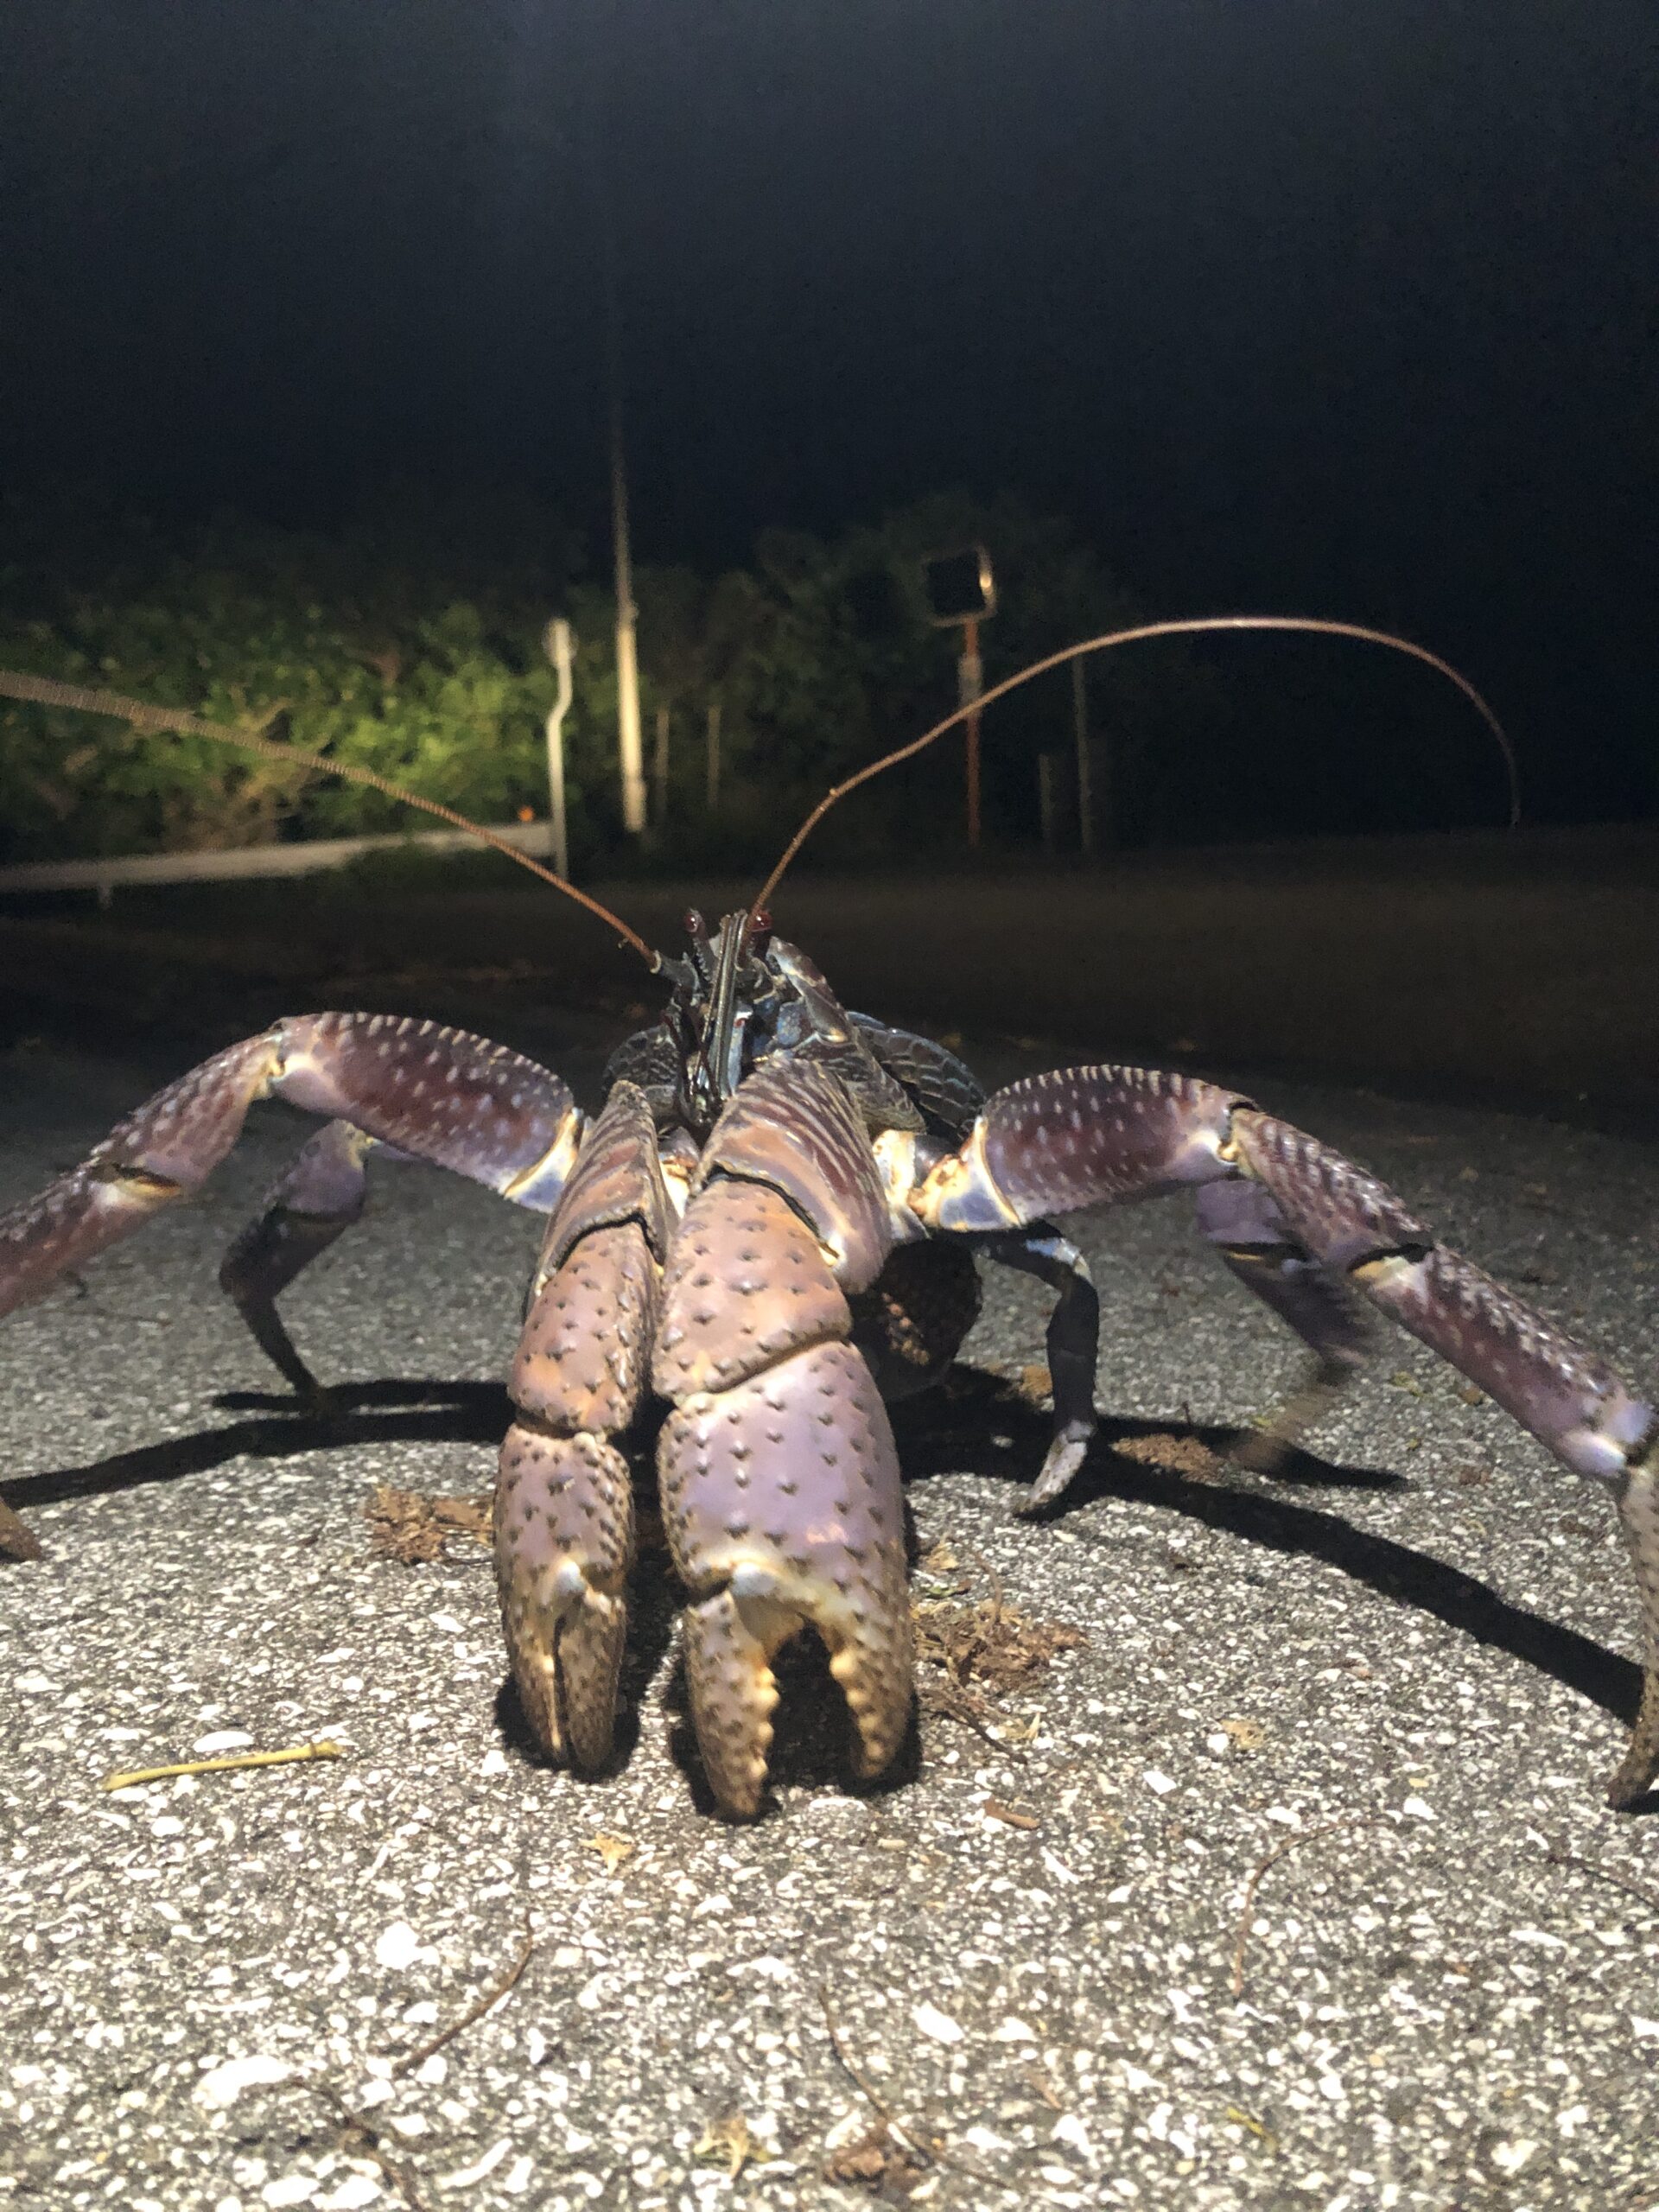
x,y
1337,308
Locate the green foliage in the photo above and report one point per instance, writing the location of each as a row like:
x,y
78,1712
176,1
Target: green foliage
x,y
411,644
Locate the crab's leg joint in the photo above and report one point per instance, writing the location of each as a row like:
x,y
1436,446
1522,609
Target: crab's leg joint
x,y
1572,1401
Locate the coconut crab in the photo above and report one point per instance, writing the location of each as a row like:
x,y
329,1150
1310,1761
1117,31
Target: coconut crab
x,y
770,1229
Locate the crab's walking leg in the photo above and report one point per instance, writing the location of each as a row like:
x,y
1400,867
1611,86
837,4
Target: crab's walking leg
x,y
1073,1345
315,1200
781,1484
1255,1240
1109,1133
449,1098
442,1095
564,1498
1571,1401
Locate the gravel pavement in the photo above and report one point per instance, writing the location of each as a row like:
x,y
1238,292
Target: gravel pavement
x,y
1292,1887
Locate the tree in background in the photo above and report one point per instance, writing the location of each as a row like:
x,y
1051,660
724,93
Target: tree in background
x,y
411,642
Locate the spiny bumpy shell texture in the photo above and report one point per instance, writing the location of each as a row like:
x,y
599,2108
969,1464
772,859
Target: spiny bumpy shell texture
x,y
745,1285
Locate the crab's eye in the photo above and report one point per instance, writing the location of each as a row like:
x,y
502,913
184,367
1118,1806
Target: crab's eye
x,y
761,923
695,926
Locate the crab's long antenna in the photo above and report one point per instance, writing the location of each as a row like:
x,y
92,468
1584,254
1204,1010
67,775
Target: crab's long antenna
x,y
43,690
1186,627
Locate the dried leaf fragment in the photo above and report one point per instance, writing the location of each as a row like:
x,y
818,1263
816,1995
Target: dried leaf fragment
x,y
413,1528
729,2142
879,2162
18,1540
1010,1816
613,1849
1247,1735
1172,1455
990,1643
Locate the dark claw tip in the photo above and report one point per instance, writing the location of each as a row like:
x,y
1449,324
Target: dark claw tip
x,y
1065,1455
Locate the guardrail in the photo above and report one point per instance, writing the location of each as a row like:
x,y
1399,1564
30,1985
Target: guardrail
x,y
104,876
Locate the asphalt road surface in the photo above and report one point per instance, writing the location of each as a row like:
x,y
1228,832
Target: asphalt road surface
x,y
1292,1887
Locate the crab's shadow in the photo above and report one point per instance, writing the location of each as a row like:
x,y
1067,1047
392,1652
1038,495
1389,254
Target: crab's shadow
x,y
977,1424
985,1428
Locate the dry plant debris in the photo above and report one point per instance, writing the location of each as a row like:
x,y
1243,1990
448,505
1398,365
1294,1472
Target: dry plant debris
x,y
485,2003
1172,1455
613,1849
731,2142
1246,1735
989,1644
880,2163
1010,1816
408,1526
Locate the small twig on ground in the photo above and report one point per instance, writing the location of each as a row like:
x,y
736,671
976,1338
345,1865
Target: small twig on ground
x,y
883,2108
353,2127
1263,1866
232,1761
954,1703
1556,1857
486,2002
932,2153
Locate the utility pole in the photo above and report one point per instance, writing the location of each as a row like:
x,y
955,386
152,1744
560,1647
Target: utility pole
x,y
1047,804
1080,733
970,683
712,760
659,766
960,594
630,749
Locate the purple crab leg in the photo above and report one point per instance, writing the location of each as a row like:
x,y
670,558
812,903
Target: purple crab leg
x,y
442,1095
1089,1134
1073,1346
315,1200
1255,1240
1571,1401
781,1484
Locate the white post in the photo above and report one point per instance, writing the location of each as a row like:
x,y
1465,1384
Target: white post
x,y
561,648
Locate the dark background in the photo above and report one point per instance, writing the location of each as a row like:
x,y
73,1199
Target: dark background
x,y
1333,309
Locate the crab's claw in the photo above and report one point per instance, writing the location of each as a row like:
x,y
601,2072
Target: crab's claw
x,y
780,1486
781,1503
